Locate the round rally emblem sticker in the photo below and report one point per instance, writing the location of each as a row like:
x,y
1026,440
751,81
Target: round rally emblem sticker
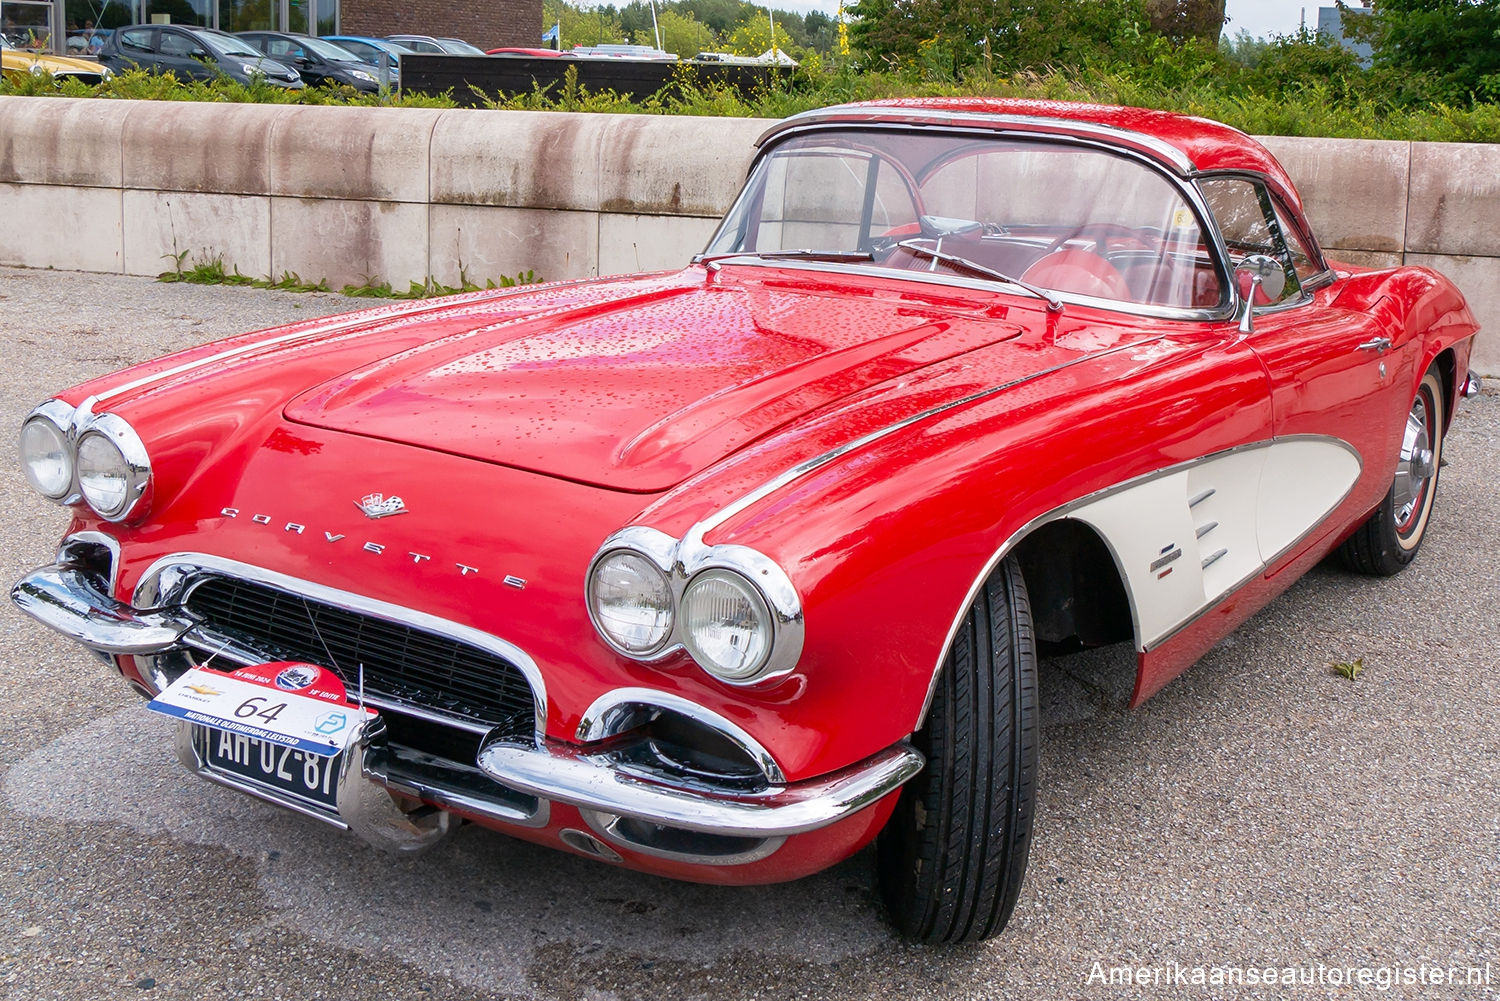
x,y
297,677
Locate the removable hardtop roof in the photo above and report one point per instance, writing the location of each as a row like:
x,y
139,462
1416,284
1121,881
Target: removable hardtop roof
x,y
1182,143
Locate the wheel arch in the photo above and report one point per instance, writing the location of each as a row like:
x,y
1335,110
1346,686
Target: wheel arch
x,y
1079,593
1449,378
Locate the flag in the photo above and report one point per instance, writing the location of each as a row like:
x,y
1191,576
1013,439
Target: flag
x,y
550,35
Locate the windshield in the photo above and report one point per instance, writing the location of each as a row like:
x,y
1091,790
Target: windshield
x,y
1070,219
329,51
459,48
226,44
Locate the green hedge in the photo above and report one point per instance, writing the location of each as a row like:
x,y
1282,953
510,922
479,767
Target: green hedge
x,y
1310,101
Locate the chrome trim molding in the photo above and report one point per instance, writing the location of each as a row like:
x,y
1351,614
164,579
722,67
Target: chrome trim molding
x,y
60,415
118,432
681,562
1062,511
612,713
75,424
696,848
66,599
760,493
590,781
168,580
1472,386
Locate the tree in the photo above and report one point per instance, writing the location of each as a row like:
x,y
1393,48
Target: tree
x,y
680,33
1452,42
1181,20
754,37
946,36
600,26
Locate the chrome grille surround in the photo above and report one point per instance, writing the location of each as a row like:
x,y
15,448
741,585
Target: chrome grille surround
x,y
171,581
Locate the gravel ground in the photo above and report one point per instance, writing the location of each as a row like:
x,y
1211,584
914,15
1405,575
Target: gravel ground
x,y
1259,812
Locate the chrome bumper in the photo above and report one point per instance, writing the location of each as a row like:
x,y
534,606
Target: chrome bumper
x,y
72,600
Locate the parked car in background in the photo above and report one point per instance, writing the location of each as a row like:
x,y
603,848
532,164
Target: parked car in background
x,y
437,46
380,51
193,54
15,63
727,573
537,53
319,61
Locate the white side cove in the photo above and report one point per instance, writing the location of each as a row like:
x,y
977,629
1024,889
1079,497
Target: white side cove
x,y
1186,537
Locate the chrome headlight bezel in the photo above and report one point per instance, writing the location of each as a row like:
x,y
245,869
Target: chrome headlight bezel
x,y
134,464
682,563
75,424
57,417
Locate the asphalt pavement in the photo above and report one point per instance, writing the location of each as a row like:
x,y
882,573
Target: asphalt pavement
x,y
1261,812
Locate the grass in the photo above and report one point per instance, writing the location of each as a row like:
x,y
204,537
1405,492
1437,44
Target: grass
x,y
213,272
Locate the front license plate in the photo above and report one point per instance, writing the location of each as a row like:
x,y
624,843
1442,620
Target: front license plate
x,y
304,776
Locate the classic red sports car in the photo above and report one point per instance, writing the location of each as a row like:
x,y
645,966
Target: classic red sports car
x,y
724,573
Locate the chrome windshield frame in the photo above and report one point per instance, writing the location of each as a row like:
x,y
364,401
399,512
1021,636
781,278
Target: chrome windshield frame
x,y
1183,185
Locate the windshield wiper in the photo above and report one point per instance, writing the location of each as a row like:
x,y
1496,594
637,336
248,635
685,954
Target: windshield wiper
x,y
1054,304
835,256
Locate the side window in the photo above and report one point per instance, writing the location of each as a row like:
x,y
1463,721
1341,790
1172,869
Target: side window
x,y
1302,260
138,40
278,47
173,44
1248,220
823,200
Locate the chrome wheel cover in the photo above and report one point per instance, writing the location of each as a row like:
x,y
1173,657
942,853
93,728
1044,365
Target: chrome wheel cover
x,y
1415,470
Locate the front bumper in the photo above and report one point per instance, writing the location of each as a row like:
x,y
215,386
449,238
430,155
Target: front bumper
x,y
512,783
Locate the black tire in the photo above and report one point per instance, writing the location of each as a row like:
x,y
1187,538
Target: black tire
x,y
1390,537
954,853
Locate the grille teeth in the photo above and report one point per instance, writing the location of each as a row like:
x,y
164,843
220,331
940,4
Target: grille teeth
x,y
400,662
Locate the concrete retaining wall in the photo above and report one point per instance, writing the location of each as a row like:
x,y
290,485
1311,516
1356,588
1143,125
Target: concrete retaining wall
x,y
355,194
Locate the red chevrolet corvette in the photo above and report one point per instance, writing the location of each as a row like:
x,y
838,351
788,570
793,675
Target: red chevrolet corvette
x,y
725,573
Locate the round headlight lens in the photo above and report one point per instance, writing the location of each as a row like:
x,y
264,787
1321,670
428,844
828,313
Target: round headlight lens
x,y
726,625
104,475
46,457
631,603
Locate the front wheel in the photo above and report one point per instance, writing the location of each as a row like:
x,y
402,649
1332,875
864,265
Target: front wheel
x,y
1390,538
954,853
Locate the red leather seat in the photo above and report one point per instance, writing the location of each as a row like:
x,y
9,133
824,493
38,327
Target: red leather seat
x,y
1071,269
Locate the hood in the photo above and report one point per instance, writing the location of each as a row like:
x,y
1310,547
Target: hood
x,y
12,59
640,391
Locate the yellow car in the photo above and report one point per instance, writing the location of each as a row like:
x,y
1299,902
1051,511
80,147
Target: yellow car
x,y
15,62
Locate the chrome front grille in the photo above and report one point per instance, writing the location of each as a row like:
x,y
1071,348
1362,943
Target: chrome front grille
x,y
401,663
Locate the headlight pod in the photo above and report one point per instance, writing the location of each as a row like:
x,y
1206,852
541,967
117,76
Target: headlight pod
x,y
99,459
726,625
630,603
734,610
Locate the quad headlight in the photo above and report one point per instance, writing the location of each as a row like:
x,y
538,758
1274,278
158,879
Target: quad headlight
x,y
47,456
630,603
726,625
731,608
99,459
